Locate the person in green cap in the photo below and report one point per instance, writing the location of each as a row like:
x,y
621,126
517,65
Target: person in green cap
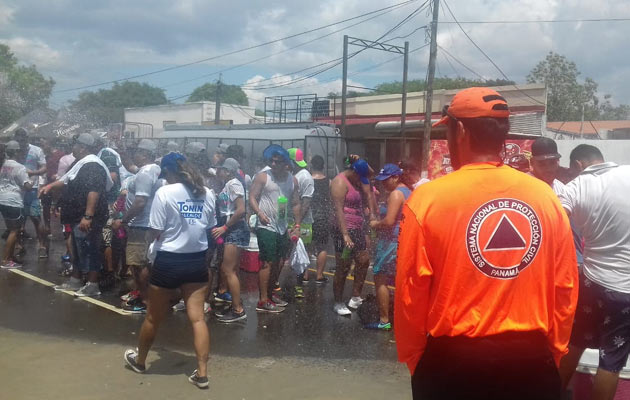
x,y
306,188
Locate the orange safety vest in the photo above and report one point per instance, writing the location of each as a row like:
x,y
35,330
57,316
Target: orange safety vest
x,y
484,250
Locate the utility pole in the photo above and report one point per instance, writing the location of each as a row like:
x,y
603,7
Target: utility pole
x,y
426,139
344,86
582,123
403,111
217,103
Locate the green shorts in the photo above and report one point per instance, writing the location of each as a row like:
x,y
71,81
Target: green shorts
x,y
272,246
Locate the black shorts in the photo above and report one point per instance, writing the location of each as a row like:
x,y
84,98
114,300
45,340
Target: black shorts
x,y
321,234
510,365
602,321
46,199
172,270
357,236
12,216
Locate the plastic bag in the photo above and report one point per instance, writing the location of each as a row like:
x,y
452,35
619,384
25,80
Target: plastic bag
x,y
300,260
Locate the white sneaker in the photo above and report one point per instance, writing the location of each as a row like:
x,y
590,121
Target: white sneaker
x,y
355,302
90,289
341,309
181,306
207,307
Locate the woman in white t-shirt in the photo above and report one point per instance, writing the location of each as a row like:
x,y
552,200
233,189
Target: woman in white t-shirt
x,y
181,213
235,233
13,182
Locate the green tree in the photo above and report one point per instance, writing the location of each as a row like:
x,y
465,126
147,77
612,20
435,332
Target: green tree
x,y
107,106
567,98
230,94
22,88
565,95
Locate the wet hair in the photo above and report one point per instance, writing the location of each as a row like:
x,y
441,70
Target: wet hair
x,y
487,134
586,152
189,177
409,169
317,163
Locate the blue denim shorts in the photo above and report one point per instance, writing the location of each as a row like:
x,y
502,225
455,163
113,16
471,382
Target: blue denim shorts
x,y
238,234
86,248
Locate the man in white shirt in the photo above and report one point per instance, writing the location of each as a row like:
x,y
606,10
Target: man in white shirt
x,y
597,204
33,158
141,189
306,188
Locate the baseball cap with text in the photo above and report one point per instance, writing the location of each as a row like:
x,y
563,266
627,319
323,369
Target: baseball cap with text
x,y
475,102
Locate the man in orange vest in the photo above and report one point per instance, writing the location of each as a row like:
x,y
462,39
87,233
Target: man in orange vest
x,y
487,282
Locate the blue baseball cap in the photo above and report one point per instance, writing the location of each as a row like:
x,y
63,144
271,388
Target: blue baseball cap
x,y
276,150
388,171
362,169
169,163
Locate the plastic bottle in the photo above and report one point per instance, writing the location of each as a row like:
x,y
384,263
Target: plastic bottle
x,y
283,205
345,254
66,265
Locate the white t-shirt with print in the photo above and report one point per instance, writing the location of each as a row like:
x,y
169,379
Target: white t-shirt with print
x,y
306,189
144,183
183,219
598,203
13,176
232,190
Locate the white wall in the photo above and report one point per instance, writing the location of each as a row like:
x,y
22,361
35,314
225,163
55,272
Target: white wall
x,y
617,151
187,114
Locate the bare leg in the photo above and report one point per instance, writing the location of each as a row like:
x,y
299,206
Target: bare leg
x,y
108,259
361,264
141,278
263,280
568,364
9,246
194,297
321,263
229,269
382,296
157,307
605,385
276,269
339,280
42,235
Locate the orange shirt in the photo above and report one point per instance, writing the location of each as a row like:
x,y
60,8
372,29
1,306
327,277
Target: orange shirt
x,y
484,250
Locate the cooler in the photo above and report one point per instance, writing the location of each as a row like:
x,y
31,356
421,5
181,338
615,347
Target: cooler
x,y
249,256
582,381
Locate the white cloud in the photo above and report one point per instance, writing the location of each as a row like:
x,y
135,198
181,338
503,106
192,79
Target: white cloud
x,y
34,51
259,87
6,14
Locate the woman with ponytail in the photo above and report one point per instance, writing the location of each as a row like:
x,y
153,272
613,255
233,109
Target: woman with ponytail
x,y
181,214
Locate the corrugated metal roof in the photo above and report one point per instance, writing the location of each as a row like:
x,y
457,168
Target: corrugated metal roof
x,y
527,123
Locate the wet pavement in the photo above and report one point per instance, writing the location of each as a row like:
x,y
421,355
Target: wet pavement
x,y
306,338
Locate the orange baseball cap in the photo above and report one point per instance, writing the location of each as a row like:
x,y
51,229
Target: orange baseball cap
x,y
475,102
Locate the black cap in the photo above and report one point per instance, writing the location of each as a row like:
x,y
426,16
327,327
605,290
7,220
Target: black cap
x,y
544,149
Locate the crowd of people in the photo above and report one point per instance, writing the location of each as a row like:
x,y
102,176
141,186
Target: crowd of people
x,y
486,261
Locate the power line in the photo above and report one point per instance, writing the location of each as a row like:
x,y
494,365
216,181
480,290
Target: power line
x,y
234,51
462,63
283,51
541,21
485,55
401,23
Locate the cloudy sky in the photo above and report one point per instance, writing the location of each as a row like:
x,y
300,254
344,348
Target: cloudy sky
x,y
80,43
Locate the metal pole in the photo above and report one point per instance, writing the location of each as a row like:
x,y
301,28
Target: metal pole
x,y
426,138
344,86
403,113
217,103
